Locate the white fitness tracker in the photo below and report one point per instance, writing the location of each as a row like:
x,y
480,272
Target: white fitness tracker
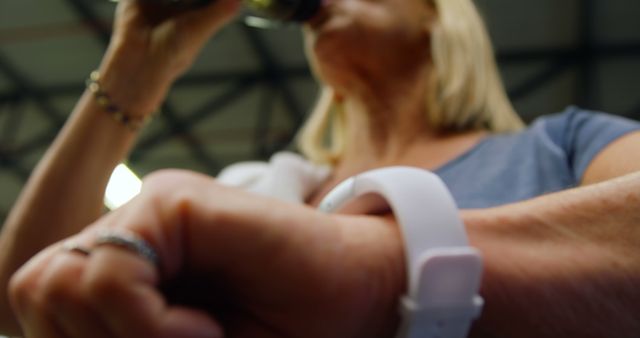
x,y
444,272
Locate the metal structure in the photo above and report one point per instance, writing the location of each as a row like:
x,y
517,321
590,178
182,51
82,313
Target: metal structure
x,y
218,114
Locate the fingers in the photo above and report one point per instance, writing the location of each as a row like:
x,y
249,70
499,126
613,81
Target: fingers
x,y
123,292
120,286
109,293
204,20
44,303
186,322
30,306
71,314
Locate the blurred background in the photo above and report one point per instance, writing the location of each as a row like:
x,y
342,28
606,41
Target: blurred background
x,y
251,88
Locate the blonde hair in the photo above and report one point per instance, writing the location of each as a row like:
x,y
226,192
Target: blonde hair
x,y
465,91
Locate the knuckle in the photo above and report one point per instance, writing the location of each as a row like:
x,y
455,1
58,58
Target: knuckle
x,y
169,178
21,289
166,186
174,186
38,289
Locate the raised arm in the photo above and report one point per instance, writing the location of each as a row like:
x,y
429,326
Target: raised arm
x,y
149,49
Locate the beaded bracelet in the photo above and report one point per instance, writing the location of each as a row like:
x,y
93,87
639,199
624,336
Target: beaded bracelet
x,y
104,101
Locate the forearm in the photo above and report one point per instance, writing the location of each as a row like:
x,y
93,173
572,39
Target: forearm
x,y
65,192
566,264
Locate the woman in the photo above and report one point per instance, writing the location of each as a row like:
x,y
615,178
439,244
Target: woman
x,y
392,100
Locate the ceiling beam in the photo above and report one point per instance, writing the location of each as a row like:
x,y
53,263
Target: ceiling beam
x,y
13,166
539,79
599,50
37,142
182,130
10,96
3,216
206,110
189,80
586,82
26,88
8,157
274,69
634,112
92,20
13,122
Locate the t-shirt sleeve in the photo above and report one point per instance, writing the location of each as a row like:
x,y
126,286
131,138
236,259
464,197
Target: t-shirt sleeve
x,y
584,134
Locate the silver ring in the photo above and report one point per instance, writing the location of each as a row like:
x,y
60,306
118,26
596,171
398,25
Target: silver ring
x,y
128,240
70,246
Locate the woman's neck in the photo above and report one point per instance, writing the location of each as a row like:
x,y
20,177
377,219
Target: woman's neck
x,y
384,120
387,125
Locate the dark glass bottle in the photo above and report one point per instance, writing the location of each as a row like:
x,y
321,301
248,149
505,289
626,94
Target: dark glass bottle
x,y
284,10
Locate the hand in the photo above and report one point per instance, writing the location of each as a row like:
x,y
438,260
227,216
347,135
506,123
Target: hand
x,y
152,45
167,36
271,269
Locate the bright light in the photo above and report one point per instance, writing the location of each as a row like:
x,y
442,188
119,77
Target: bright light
x,y
123,186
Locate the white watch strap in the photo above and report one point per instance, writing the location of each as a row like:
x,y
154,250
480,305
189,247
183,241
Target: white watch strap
x,y
443,271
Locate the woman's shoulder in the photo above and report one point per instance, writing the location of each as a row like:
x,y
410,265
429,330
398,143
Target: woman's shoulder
x,y
577,133
550,155
579,125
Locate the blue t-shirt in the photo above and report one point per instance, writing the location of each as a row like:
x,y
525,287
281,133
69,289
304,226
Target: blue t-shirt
x,y
551,155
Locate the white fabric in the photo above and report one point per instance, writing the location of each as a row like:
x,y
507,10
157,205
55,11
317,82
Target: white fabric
x,y
287,176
